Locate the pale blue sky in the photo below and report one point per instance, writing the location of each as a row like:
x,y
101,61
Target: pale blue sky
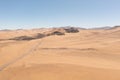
x,y
16,14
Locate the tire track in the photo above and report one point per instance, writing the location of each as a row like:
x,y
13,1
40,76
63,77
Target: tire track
x,y
20,57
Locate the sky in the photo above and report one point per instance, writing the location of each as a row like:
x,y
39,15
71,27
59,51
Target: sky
x,y
25,14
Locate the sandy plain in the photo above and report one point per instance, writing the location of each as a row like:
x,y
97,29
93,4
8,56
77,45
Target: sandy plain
x,y
86,55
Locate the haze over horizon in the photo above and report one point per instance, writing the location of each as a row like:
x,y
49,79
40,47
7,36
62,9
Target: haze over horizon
x,y
25,14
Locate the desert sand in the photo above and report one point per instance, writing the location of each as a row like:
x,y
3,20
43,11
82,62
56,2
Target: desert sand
x,y
91,54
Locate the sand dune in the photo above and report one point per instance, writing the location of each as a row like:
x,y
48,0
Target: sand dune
x,y
86,55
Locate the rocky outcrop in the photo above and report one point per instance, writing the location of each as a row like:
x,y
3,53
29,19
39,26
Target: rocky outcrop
x,y
71,30
57,33
22,38
39,35
54,31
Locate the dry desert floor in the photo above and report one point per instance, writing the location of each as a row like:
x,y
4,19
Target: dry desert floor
x,y
86,55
